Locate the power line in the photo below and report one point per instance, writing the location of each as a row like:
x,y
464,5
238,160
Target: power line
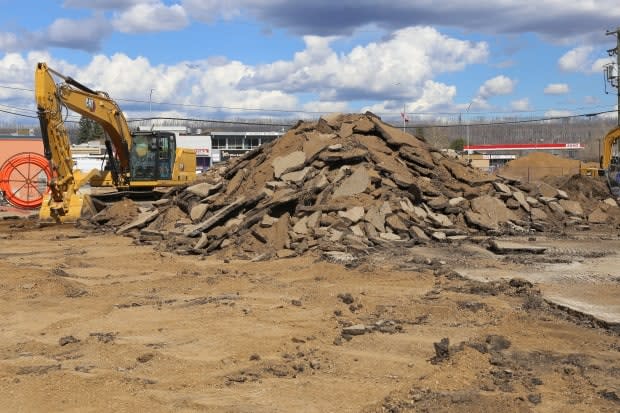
x,y
228,122
516,121
301,111
18,114
233,122
16,88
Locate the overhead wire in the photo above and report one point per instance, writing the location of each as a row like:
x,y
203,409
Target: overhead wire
x,y
302,111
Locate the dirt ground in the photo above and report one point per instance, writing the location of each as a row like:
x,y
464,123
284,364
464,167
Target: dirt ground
x,y
92,322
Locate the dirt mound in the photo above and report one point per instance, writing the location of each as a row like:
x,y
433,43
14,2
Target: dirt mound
x,y
118,213
578,186
345,184
538,165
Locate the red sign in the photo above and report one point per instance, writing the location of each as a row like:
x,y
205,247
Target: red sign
x,y
524,147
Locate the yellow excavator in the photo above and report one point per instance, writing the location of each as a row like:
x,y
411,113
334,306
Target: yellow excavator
x,y
609,163
138,161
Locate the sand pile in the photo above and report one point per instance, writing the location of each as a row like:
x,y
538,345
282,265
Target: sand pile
x,y
537,165
347,183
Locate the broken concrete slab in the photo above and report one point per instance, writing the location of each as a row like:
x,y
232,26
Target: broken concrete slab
x,y
354,214
141,221
375,218
297,177
571,207
301,227
418,233
288,163
521,199
493,209
556,207
267,221
203,189
538,214
354,330
354,184
389,236
501,187
198,211
562,194
598,217
510,247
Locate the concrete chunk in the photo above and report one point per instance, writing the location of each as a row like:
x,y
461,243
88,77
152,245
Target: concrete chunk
x,y
509,247
354,330
503,188
288,163
298,176
375,218
562,194
521,199
301,227
203,189
354,184
352,214
389,236
571,207
141,221
197,212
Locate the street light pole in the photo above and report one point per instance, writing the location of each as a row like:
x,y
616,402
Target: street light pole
x,y
467,129
150,100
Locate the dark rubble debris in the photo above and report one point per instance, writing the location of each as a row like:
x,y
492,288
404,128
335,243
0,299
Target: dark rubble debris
x,y
343,186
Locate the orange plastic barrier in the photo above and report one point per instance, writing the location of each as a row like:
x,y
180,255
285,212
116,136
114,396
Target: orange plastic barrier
x,y
24,179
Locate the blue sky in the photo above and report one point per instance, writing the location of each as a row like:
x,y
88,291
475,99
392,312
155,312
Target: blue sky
x,y
290,59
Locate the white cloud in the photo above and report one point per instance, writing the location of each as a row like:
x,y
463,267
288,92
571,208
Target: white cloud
x,y
326,107
151,17
104,4
560,20
398,67
8,41
211,10
499,85
582,59
556,89
554,113
591,100
576,60
598,64
84,34
521,105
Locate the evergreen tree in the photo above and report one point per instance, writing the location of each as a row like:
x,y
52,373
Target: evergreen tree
x,y
97,132
89,130
86,130
457,144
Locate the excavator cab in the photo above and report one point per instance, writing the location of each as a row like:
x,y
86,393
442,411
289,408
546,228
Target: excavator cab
x,y
152,156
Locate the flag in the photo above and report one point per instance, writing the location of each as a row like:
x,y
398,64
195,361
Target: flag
x,y
405,118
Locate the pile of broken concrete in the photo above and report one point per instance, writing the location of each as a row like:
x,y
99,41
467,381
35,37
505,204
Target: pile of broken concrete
x,y
344,183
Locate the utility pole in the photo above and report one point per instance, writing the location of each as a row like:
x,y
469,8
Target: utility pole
x,y
613,76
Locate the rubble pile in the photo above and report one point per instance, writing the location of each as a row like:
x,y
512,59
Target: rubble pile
x,y
346,183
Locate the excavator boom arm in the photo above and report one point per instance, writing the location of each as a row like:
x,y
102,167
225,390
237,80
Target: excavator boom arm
x,y
56,142
608,145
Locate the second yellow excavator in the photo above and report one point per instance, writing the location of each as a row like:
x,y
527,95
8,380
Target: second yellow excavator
x,y
137,161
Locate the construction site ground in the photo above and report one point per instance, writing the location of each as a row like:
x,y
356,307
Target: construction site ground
x,y
93,322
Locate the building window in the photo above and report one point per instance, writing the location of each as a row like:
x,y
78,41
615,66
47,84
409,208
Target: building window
x,y
218,142
252,142
235,142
